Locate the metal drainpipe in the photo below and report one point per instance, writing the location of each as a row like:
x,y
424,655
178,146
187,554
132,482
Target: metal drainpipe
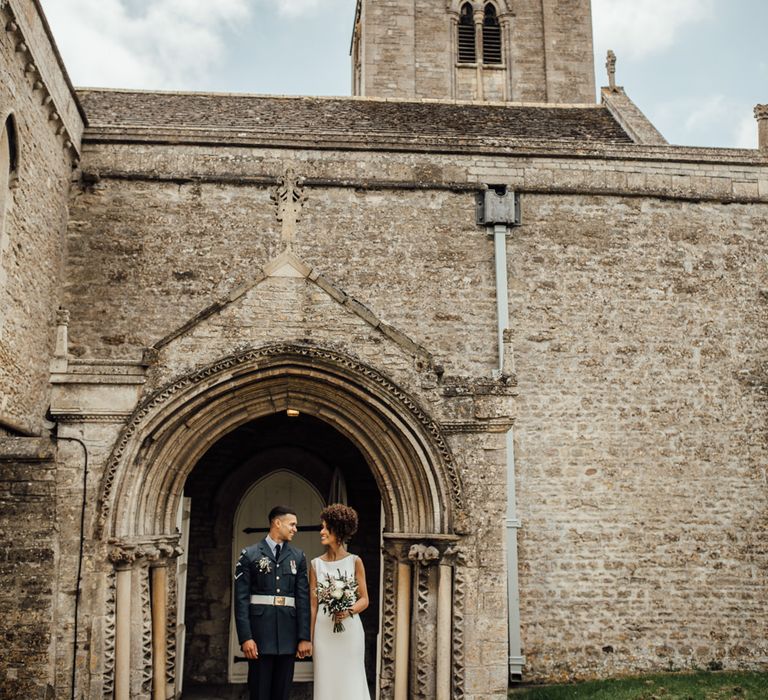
x,y
516,659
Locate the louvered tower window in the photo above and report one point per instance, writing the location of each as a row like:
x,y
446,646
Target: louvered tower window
x,y
491,36
467,50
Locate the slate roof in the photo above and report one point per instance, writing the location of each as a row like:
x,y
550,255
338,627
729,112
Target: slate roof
x,y
349,118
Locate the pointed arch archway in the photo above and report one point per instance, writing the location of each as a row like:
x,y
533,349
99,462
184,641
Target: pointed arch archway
x,y
171,430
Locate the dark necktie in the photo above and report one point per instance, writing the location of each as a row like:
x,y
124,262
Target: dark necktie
x,y
277,552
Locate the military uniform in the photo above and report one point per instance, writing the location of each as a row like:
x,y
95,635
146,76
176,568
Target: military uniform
x,y
272,608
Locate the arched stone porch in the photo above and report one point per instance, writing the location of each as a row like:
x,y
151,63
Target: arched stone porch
x,y
421,648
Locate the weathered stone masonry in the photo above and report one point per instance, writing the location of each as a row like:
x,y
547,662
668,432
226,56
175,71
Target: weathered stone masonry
x,y
197,305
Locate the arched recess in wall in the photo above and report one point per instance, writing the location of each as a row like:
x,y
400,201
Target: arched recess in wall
x,y
405,449
492,38
466,39
9,167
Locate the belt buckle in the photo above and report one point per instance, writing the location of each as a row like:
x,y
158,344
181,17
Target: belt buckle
x,y
280,600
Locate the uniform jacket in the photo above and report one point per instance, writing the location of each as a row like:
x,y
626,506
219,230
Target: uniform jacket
x,y
275,629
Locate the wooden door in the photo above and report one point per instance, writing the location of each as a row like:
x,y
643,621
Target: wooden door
x,y
281,487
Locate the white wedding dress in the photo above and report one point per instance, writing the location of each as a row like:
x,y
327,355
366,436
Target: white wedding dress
x,y
339,658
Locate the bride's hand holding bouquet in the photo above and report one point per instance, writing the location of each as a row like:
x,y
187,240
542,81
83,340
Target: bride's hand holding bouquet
x,y
337,594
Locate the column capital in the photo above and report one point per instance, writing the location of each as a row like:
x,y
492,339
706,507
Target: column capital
x,y
424,550
156,551
761,112
123,555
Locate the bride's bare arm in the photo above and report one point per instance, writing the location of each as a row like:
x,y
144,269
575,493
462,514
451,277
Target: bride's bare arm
x,y
362,588
312,601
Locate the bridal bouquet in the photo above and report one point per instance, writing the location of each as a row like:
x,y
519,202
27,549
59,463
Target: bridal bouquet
x,y
337,594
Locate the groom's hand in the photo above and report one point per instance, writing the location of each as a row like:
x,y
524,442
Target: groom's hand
x,y
250,650
305,649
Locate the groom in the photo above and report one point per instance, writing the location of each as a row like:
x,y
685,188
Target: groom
x,y
272,608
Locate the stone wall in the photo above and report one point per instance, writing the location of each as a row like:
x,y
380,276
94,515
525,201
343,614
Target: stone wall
x,y
638,319
28,562
32,250
36,91
640,346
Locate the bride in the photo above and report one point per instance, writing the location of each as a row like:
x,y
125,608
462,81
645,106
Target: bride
x,y
338,656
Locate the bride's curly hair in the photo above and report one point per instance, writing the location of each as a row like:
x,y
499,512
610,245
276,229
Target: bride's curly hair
x,y
341,520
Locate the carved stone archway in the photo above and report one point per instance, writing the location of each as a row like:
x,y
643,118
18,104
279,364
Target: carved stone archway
x,y
403,446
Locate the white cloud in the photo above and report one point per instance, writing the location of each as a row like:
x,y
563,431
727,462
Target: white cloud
x,y
162,44
720,119
707,120
637,28
299,8
710,112
745,133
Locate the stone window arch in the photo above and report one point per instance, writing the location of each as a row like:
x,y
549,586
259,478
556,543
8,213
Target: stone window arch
x,y
492,49
467,44
9,166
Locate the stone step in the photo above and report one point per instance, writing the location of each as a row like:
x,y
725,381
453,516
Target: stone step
x,y
301,691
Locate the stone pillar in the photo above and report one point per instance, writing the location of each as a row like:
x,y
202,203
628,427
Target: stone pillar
x,y
424,618
403,635
123,559
761,114
444,621
141,617
159,573
453,54
506,45
423,625
479,17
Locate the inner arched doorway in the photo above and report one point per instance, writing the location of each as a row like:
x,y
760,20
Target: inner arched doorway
x,y
299,461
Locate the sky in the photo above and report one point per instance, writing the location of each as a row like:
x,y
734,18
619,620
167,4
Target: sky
x,y
696,68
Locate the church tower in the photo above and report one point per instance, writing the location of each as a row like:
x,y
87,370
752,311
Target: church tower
x,y
490,50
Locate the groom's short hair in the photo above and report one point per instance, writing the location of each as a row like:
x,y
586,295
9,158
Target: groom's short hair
x,y
279,512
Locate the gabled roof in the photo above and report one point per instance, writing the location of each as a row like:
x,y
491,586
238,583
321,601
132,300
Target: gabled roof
x,y
373,121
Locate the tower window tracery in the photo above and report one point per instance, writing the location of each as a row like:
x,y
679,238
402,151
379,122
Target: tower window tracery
x,y
467,44
491,36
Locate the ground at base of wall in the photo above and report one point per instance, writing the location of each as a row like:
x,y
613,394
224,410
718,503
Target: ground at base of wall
x,y
677,686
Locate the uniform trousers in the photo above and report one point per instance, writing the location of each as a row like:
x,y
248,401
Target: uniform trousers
x,y
270,677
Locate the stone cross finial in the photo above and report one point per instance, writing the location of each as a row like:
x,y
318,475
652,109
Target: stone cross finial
x,y
289,198
761,114
610,65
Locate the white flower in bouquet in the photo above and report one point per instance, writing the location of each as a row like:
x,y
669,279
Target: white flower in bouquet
x,y
337,595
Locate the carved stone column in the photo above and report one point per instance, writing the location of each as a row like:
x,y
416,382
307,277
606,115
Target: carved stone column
x,y
141,624
423,626
123,558
424,619
761,114
397,548
402,643
159,581
444,618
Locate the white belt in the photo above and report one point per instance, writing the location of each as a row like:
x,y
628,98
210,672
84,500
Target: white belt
x,y
279,600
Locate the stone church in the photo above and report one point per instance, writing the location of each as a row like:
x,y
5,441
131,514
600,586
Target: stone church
x,y
506,321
